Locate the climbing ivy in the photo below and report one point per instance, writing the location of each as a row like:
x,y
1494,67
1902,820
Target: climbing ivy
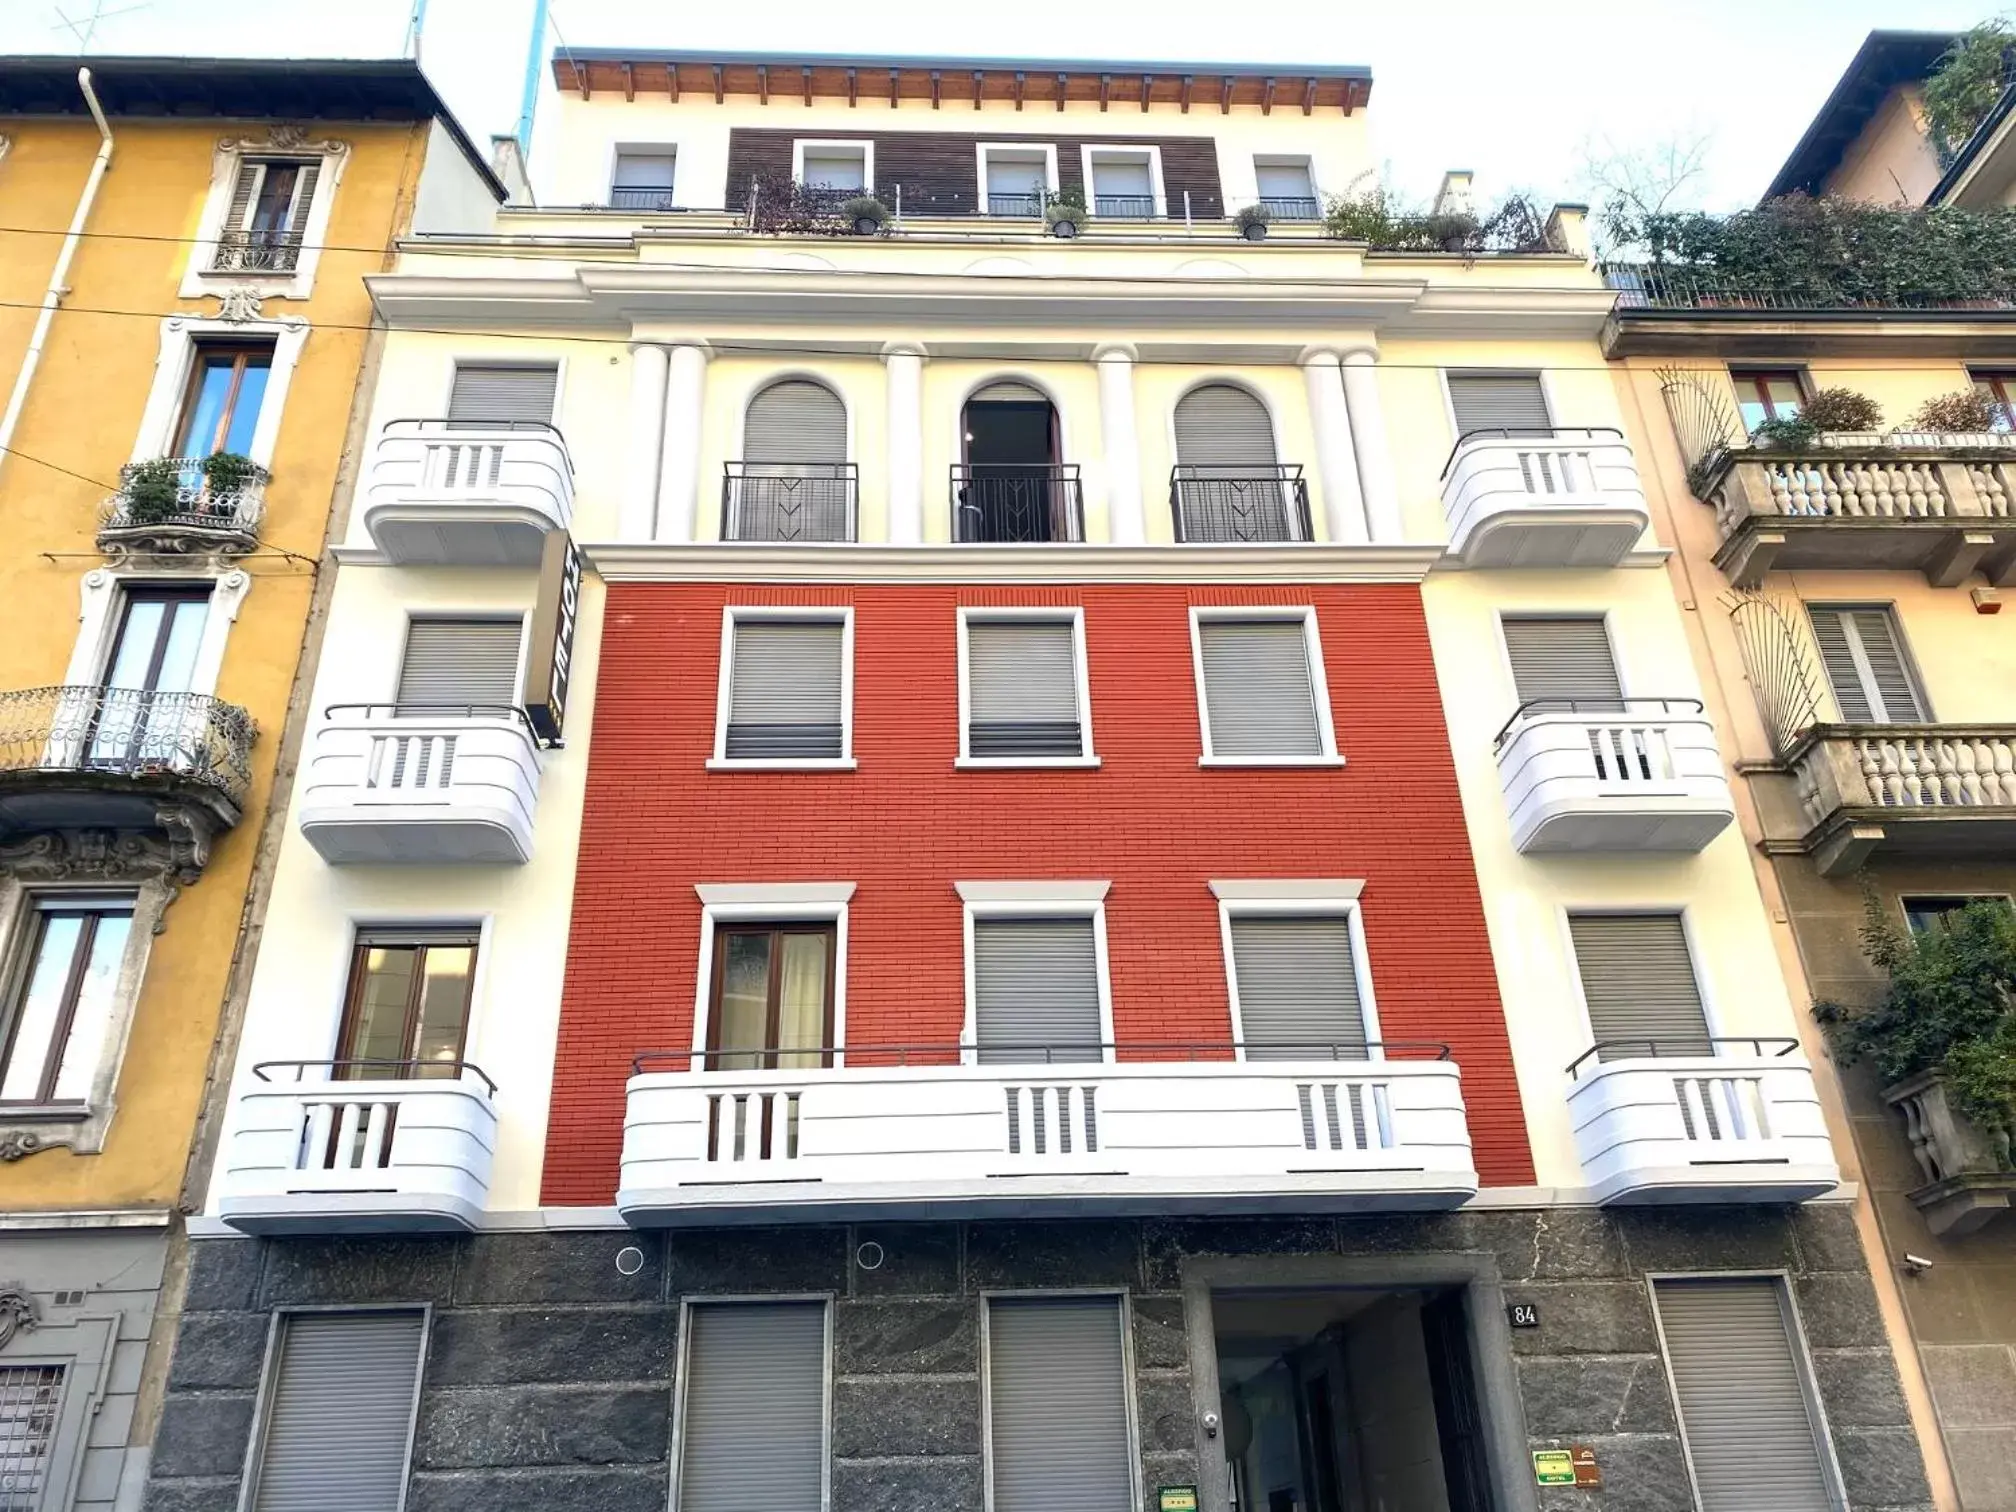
x,y
1965,84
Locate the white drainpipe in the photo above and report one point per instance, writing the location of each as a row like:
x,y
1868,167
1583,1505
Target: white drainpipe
x,y
58,279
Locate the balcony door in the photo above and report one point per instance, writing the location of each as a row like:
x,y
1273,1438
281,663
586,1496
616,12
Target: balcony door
x,y
1012,490
406,1012
227,387
142,714
793,483
1862,648
1228,484
772,997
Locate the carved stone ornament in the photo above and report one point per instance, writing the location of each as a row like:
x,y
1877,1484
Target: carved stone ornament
x,y
240,303
286,134
114,855
17,1144
19,1311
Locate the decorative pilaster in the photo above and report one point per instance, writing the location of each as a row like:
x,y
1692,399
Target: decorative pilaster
x,y
649,367
1125,520
679,470
903,363
1377,484
1336,463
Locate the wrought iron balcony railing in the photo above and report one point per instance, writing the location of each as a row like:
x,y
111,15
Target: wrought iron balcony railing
x,y
622,198
1218,504
789,501
1017,502
1290,207
1015,204
273,251
1124,206
1652,286
176,495
128,732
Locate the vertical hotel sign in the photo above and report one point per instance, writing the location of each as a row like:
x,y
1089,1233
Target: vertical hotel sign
x,y
549,663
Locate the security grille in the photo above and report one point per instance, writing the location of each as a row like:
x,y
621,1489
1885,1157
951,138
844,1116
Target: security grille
x,y
29,1398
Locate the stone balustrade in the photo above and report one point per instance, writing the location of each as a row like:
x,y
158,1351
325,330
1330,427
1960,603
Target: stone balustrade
x,y
1854,780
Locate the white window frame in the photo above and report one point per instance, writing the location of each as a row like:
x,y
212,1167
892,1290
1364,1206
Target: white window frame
x,y
101,606
507,360
488,612
834,147
1034,900
1305,615
1289,898
620,150
1046,150
1301,160
683,1379
1442,376
1075,616
988,1296
734,614
176,359
1147,152
1603,616
199,279
1697,958
773,903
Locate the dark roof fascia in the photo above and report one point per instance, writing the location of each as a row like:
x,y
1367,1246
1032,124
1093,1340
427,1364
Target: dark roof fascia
x,y
1134,66
1976,144
1883,61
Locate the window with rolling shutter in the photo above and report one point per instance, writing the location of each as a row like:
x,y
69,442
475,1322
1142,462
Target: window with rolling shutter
x,y
1566,661
1022,688
496,394
1513,402
338,1420
1036,991
646,170
752,1431
1745,1401
1058,1434
1260,695
1297,981
1862,648
786,690
1224,427
1638,981
455,662
795,420
1008,392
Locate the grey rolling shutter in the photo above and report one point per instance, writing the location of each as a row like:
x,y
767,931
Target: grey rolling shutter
x,y
1219,426
795,421
460,661
1283,181
1752,1442
339,1413
1567,660
1298,989
1638,981
645,170
495,395
753,1438
1864,657
1498,402
784,689
1009,392
1035,991
241,193
1258,695
1057,1406
1022,688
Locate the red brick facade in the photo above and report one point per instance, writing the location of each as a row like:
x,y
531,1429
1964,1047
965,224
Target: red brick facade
x,y
906,825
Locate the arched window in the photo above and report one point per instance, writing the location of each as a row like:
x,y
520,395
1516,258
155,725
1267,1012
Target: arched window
x,y
1013,484
794,482
1228,484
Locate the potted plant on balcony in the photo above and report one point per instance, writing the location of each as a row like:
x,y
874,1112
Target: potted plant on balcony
x,y
1064,212
1252,221
225,476
1824,417
865,213
1966,413
151,491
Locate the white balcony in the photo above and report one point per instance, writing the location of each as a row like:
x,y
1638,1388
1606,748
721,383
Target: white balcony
x,y
1568,498
439,495
1639,774
313,1155
1740,1127
405,785
1017,1141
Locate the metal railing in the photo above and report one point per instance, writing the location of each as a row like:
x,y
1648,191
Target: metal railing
x,y
1219,504
1648,707
175,493
1124,206
1290,207
645,198
128,732
509,713
1055,1052
1652,286
1015,204
1017,501
269,251
789,501
1690,1045
402,1070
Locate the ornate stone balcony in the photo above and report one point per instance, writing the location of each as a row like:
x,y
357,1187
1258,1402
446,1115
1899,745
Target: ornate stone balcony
x,y
441,493
174,507
1564,498
1969,1177
1635,774
1937,791
1943,505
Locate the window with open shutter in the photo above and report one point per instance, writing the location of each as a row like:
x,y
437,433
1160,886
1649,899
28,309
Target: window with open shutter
x,y
795,420
1638,980
1862,649
1753,1441
1297,980
1512,402
1022,688
1566,660
497,394
1057,1406
452,662
785,690
1259,693
752,1435
1036,990
339,1412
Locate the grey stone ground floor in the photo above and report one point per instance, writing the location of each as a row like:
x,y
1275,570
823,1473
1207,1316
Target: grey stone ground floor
x,y
548,1378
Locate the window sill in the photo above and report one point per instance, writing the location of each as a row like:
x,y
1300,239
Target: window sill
x,y
765,764
33,1112
1025,763
1285,762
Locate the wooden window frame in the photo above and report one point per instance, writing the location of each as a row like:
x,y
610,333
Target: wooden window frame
x,y
368,939
165,593
93,911
2001,386
1749,383
773,1002
182,445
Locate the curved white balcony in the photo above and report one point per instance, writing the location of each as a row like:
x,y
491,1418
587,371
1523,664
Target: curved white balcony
x,y
421,785
1744,1126
453,495
1563,498
314,1151
1634,774
1221,1136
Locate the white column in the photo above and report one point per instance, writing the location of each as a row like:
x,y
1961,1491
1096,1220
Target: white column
x,y
903,365
639,519
1368,436
1336,463
679,472
1125,522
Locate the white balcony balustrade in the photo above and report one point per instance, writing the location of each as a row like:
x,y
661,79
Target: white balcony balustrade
x,y
885,1139
359,1147
421,785
1743,1125
1563,498
1937,792
1633,774
460,495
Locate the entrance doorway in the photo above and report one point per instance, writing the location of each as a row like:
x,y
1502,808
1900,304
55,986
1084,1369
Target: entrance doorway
x,y
1349,1400
1012,485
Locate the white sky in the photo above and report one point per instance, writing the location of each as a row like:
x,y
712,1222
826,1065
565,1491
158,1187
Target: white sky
x,y
1508,88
